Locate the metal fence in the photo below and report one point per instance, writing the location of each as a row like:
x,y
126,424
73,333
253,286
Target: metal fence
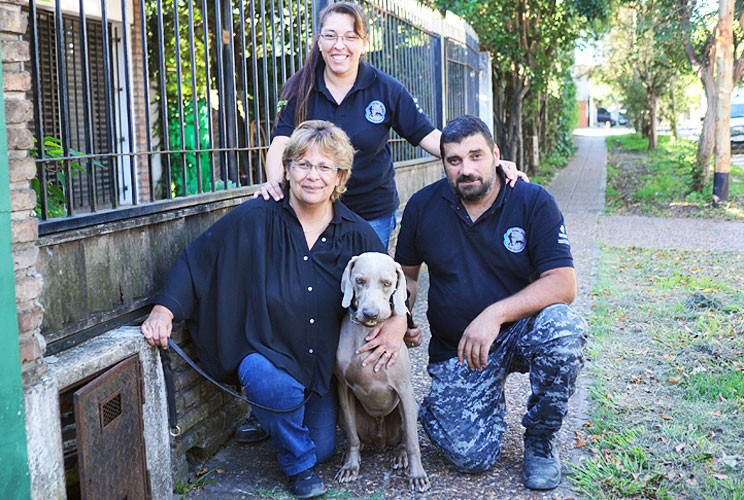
x,y
138,102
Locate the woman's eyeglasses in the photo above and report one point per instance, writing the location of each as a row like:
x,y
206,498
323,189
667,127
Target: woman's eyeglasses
x,y
332,37
305,167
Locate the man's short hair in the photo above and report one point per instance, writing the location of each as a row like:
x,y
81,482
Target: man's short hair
x,y
462,127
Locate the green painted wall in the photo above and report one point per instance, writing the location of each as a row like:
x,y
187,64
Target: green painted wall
x,y
13,455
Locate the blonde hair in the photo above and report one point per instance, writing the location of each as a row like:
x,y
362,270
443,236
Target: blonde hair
x,y
330,140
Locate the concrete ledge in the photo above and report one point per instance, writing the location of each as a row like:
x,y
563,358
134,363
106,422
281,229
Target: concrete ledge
x,y
43,428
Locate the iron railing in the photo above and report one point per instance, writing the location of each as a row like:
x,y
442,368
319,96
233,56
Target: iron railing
x,y
142,102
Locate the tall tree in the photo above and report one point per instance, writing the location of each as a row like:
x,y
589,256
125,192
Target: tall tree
x,y
699,31
525,38
724,85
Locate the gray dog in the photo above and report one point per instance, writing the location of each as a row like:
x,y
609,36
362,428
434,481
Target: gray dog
x,y
377,408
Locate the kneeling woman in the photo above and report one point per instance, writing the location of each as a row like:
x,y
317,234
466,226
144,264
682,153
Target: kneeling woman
x,y
260,293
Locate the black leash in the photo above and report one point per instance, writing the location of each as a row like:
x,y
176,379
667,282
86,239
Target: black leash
x,y
171,394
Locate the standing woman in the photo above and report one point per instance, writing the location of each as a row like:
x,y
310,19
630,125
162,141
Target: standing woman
x,y
335,84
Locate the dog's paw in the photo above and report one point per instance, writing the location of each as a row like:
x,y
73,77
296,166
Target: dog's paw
x,y
419,483
348,474
400,461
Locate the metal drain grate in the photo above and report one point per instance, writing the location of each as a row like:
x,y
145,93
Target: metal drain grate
x,y
110,409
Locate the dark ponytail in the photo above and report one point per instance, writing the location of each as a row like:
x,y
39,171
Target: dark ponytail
x,y
300,85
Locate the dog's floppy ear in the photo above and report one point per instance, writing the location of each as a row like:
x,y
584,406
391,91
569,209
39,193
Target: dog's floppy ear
x,y
347,287
400,295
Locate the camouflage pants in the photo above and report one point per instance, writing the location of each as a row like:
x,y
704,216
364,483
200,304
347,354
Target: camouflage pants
x,y
464,412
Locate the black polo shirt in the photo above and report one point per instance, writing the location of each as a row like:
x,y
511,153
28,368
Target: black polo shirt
x,y
375,103
472,265
250,284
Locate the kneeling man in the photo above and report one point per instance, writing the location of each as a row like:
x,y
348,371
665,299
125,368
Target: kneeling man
x,y
501,278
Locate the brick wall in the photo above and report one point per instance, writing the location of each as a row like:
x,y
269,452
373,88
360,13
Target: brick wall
x,y
25,225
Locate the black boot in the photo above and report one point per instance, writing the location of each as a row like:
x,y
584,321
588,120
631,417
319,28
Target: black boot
x,y
306,484
542,468
251,431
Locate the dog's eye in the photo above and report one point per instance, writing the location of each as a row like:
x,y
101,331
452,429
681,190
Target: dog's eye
x,y
387,284
361,281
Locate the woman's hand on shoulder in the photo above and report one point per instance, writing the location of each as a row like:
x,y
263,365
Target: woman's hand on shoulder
x,y
158,326
511,172
385,341
269,190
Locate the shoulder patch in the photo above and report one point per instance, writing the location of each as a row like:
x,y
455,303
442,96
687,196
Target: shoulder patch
x,y
375,112
562,236
515,239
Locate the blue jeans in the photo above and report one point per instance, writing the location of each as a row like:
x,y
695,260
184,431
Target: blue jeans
x,y
384,227
302,438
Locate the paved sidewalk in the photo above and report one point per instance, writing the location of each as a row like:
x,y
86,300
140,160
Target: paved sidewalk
x,y
251,471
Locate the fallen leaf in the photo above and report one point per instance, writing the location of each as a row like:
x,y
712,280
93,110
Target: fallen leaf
x,y
581,444
622,318
220,471
664,416
674,380
680,447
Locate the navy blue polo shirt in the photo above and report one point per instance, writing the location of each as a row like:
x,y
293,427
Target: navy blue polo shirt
x,y
472,265
376,103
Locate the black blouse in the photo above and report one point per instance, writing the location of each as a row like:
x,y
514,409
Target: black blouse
x,y
250,284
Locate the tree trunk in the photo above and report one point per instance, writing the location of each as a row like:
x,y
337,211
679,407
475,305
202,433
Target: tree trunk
x,y
724,85
673,117
653,100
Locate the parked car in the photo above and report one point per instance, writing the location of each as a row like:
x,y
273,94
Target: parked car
x,y
736,123
604,117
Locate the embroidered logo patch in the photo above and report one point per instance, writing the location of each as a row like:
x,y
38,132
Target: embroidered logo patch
x,y
375,112
515,239
562,236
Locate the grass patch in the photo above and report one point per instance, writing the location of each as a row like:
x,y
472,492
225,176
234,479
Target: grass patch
x,y
283,494
659,182
665,355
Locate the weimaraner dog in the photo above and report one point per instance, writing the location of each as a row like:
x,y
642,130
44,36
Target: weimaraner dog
x,y
377,408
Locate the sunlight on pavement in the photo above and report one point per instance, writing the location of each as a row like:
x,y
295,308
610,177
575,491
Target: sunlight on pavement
x,y
602,131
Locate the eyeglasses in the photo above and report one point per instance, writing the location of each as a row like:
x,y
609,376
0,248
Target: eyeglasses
x,y
331,37
305,167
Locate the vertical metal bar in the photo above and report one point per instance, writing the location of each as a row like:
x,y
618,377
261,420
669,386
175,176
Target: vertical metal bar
x,y
38,121
256,110
233,161
244,75
292,51
221,90
87,105
281,39
116,80
128,96
309,35
265,69
179,91
436,55
62,89
270,112
111,112
194,99
205,29
146,78
165,143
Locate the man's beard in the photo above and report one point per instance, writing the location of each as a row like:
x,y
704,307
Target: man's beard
x,y
475,192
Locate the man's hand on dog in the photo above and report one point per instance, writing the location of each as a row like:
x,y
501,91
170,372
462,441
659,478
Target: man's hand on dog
x,y
157,327
385,341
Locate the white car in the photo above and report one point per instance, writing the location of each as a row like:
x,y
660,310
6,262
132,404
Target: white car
x,y
737,125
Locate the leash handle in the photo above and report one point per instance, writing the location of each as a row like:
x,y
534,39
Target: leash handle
x,y
170,392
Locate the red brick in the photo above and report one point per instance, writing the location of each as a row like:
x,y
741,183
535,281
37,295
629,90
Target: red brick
x,y
20,138
21,170
33,371
15,51
24,230
18,111
30,350
30,319
12,20
15,81
25,257
28,288
22,199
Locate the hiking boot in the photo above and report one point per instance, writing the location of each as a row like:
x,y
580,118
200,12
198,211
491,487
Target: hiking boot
x,y
306,484
542,468
251,431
